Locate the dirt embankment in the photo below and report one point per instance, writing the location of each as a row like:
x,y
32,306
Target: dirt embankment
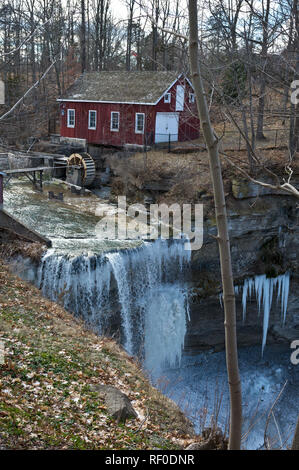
x,y
12,245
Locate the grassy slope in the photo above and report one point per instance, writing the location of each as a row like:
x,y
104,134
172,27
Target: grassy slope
x,y
51,360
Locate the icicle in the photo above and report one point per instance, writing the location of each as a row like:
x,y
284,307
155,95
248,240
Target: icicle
x,y
264,288
267,301
279,280
285,295
237,289
258,282
244,299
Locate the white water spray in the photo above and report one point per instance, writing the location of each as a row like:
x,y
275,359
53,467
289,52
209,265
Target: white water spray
x,y
148,285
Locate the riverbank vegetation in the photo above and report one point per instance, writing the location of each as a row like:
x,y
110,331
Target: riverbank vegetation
x,y
183,177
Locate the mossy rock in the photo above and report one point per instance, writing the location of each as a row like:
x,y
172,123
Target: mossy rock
x,y
240,188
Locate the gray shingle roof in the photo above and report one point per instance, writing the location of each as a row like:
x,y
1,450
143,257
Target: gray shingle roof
x,y
124,87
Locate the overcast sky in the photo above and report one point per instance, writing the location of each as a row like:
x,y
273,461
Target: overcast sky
x,y
119,9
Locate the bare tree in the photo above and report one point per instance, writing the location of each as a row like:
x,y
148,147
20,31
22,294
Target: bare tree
x,y
130,6
224,20
264,52
155,14
83,37
294,116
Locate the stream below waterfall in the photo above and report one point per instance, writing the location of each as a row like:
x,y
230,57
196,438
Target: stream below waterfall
x,y
138,292
200,388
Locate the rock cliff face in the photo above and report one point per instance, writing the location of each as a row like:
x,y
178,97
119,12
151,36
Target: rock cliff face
x,y
264,240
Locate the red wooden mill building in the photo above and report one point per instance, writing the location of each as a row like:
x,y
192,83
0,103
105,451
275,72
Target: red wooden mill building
x,y
118,108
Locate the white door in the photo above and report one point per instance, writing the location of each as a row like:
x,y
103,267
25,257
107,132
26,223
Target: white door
x,y
167,123
179,103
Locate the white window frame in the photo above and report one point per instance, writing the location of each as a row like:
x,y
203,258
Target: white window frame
x,y
137,131
191,97
180,98
167,98
111,121
68,118
89,114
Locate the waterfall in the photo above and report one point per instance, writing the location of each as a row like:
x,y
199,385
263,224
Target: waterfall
x,y
263,288
146,283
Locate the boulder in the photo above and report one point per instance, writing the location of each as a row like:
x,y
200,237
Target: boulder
x,y
117,402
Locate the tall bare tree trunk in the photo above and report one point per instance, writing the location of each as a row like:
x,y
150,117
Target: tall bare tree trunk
x,y
83,37
264,53
155,34
129,34
223,236
294,116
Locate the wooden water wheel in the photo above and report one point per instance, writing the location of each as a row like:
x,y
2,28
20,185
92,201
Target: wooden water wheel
x,y
87,165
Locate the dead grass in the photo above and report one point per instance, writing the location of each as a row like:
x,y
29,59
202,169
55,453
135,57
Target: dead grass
x,y
185,174
12,245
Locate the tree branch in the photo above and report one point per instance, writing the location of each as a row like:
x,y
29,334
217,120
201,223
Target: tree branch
x,y
35,85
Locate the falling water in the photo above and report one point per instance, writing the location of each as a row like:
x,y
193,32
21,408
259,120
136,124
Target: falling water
x,y
263,288
147,283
